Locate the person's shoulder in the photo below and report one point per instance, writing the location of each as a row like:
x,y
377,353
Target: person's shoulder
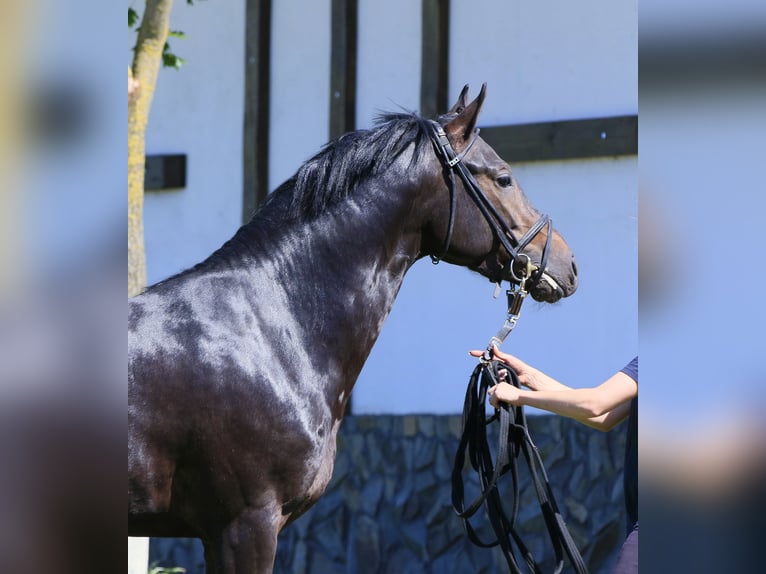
x,y
631,369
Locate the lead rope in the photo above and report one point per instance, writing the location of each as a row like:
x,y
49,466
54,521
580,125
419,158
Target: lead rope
x,y
513,440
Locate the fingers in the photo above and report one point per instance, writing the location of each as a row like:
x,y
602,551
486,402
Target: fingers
x,y
498,354
493,400
514,362
495,352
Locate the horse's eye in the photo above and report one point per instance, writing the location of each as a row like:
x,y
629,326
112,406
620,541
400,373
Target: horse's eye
x,y
504,180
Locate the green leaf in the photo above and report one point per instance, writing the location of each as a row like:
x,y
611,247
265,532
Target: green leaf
x,y
132,17
170,60
177,34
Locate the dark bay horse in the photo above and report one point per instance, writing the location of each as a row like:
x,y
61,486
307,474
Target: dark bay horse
x,y
240,368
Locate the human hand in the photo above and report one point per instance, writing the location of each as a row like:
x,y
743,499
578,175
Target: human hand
x,y
528,375
505,393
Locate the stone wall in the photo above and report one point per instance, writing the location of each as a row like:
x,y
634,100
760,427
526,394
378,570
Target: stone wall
x,y
387,509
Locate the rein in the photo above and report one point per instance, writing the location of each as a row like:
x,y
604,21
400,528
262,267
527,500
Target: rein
x,y
514,440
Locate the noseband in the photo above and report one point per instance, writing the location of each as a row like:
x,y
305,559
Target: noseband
x,y
452,163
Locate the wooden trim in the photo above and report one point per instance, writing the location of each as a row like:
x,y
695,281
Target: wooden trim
x,y
567,139
343,58
434,72
690,59
343,55
257,106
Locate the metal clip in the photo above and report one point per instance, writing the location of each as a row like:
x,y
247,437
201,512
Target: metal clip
x,y
516,296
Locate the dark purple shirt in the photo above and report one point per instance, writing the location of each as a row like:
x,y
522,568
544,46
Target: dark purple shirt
x,y
631,452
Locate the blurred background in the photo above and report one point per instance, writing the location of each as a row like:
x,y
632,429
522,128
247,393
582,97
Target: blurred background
x,y
702,88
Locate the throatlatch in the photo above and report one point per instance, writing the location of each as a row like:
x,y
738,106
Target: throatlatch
x,y
513,441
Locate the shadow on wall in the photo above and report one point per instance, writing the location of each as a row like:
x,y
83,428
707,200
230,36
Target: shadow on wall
x,y
387,509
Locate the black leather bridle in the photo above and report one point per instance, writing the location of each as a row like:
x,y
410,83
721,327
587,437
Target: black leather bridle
x,y
452,163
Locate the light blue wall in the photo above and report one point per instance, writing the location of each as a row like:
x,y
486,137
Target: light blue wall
x,y
198,111
547,59
300,84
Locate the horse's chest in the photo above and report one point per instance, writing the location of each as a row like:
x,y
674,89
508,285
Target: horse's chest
x,y
324,463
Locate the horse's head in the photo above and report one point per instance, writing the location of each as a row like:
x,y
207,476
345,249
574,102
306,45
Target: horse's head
x,y
475,241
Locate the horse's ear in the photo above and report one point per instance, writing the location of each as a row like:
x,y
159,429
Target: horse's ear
x,y
460,129
461,103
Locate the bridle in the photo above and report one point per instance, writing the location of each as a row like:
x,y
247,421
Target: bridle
x,y
452,163
520,267
514,440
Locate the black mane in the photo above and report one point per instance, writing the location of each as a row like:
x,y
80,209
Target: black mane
x,y
334,173
328,178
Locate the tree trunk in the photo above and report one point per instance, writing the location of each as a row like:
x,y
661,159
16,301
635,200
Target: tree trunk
x,y
147,61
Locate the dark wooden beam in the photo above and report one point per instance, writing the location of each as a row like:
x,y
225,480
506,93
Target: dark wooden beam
x,y
434,72
567,139
257,105
693,59
343,54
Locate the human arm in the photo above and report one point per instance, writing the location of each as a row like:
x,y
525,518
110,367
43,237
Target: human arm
x,y
608,421
601,407
588,404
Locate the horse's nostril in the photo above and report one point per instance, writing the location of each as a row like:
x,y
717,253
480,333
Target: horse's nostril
x,y
574,266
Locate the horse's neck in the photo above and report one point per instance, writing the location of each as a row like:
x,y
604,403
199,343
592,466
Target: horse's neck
x,y
341,274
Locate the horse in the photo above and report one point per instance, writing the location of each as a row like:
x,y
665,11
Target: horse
x,y
241,367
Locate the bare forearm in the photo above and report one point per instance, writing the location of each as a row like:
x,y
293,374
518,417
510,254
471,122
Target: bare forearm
x,y
580,404
608,421
539,381
601,407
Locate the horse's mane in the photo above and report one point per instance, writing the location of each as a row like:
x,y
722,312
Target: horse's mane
x,y
329,177
335,172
